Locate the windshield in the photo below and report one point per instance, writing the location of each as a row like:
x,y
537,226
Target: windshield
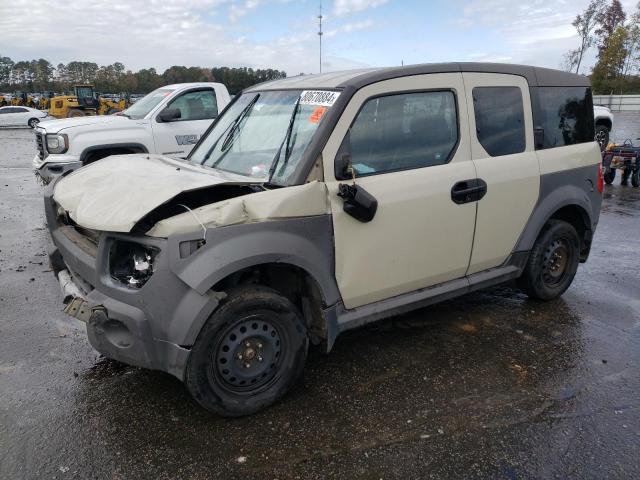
x,y
264,135
143,106
84,92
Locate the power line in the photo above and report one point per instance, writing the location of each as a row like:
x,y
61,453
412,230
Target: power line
x,y
320,34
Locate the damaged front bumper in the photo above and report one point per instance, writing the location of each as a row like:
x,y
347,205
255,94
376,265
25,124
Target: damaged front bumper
x,y
54,166
152,326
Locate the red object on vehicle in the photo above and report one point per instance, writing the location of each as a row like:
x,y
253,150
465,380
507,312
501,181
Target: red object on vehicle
x,y
600,179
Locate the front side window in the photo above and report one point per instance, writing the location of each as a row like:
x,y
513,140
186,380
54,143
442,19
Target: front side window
x,y
200,105
499,115
142,107
404,131
565,116
264,135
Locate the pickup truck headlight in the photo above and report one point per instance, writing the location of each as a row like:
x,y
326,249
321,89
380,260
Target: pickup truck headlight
x,y
57,143
131,263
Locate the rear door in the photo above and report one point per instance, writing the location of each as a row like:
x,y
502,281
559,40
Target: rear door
x,y
198,108
502,148
409,145
5,115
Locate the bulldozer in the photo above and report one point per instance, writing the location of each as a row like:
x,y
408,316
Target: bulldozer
x,y
109,106
82,103
44,100
19,99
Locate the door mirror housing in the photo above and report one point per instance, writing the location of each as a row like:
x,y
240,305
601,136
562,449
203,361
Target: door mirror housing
x,y
169,115
358,203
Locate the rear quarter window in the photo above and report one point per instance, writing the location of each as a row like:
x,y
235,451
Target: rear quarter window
x,y
563,116
499,115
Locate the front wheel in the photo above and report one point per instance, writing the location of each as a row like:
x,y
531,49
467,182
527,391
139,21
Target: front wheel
x,y
552,263
250,352
609,176
33,122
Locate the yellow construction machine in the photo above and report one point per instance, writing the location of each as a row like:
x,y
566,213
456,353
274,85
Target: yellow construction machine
x,y
82,103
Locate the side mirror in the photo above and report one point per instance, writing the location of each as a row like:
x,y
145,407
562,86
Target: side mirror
x,y
538,138
169,115
358,203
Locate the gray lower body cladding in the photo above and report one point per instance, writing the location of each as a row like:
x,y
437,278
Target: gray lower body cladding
x,y
573,187
50,171
154,326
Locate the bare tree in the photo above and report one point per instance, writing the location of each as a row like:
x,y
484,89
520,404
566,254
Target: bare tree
x,y
570,60
585,24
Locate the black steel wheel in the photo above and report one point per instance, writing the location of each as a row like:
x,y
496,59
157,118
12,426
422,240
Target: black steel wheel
x,y
553,261
249,353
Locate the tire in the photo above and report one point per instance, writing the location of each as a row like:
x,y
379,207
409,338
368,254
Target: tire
x,y
75,113
635,178
33,122
249,353
552,263
602,136
609,176
111,111
626,173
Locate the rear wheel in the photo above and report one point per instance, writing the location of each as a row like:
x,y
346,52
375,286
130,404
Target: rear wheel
x,y
635,178
249,354
609,176
602,136
75,113
553,261
33,122
626,173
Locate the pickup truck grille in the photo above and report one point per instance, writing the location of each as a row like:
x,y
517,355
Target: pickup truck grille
x,y
42,151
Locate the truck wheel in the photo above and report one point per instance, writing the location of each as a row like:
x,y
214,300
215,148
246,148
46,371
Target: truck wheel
x,y
75,113
249,354
609,176
552,263
602,136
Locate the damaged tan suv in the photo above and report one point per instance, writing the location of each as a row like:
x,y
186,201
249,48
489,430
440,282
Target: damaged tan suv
x,y
317,204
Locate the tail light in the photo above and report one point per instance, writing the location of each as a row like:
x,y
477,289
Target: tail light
x,y
600,179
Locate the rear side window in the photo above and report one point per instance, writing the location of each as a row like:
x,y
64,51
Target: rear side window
x,y
499,117
564,115
404,131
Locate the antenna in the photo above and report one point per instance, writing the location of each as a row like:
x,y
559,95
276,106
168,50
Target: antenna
x,y
320,34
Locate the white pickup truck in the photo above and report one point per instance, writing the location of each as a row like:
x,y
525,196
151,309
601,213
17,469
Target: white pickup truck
x,y
168,121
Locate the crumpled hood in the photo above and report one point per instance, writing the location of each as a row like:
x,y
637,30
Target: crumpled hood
x,y
113,194
55,126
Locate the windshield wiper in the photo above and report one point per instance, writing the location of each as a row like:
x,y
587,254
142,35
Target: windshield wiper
x,y
285,143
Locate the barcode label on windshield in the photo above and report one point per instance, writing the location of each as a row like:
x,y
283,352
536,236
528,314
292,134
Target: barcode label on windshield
x,y
321,98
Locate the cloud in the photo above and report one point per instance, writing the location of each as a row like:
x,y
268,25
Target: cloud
x,y
346,7
537,32
159,34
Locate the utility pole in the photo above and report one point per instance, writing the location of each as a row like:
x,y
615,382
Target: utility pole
x,y
320,34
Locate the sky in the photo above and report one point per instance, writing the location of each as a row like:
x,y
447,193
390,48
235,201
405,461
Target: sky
x,y
282,34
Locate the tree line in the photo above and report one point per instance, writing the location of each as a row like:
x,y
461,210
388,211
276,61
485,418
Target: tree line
x,y
616,36
41,75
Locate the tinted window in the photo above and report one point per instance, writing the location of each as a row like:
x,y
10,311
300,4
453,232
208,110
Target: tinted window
x,y
499,119
565,116
200,105
19,110
403,131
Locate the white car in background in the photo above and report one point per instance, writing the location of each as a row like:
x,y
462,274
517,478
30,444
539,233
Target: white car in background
x,y
168,121
21,116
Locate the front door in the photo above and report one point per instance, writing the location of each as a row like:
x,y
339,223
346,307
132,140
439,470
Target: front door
x,y
501,131
198,108
409,146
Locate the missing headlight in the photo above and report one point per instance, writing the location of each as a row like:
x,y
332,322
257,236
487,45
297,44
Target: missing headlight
x,y
131,263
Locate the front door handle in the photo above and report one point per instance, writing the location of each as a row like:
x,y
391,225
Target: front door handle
x,y
467,191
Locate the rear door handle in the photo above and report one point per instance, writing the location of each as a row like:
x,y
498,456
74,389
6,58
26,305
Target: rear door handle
x,y
467,191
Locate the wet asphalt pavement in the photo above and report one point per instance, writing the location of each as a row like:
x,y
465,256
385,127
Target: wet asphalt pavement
x,y
491,385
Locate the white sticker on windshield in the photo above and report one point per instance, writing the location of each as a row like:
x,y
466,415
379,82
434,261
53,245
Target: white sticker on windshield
x,y
318,97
